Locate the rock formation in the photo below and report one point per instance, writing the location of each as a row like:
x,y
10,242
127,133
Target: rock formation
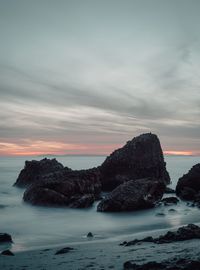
x,y
139,158
34,169
188,186
191,231
133,195
48,182
76,189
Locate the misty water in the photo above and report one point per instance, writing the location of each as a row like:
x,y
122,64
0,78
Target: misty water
x,y
35,227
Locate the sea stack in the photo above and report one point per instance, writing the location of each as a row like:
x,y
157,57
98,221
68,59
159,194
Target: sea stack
x,y
139,158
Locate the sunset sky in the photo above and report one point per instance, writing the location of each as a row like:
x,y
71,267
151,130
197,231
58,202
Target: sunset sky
x,y
85,76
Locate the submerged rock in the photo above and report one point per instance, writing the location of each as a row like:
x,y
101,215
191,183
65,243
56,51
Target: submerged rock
x,y
140,158
188,232
5,237
34,169
188,186
133,195
64,250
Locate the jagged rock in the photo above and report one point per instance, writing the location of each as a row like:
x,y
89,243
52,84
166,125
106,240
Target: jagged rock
x,y
188,232
133,195
7,253
5,237
173,264
170,200
188,185
76,189
140,158
34,169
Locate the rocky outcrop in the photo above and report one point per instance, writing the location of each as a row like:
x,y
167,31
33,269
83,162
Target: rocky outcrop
x,y
48,182
139,158
188,186
173,264
133,195
5,237
188,232
34,169
76,189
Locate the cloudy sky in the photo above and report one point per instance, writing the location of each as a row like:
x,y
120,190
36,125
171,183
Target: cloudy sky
x,y
85,76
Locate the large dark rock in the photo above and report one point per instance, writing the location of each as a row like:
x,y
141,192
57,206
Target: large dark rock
x,y
76,189
49,183
133,195
188,232
5,237
34,169
188,185
139,158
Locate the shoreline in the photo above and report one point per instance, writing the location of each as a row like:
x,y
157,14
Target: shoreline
x,y
99,254
96,239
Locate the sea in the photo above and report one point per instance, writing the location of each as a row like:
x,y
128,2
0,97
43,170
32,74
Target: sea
x,y
33,227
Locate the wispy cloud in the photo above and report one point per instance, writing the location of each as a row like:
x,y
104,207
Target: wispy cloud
x,y
99,74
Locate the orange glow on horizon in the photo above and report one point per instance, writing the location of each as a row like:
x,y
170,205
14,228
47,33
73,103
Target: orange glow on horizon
x,y
54,148
35,148
182,153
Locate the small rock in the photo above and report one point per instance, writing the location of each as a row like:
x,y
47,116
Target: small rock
x,y
160,214
172,210
7,253
90,234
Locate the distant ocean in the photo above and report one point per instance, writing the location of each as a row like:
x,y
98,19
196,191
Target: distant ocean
x,y
34,227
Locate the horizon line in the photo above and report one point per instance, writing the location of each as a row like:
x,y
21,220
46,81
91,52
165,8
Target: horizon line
x,y
165,153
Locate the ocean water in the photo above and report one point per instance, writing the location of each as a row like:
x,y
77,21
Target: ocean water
x,y
36,227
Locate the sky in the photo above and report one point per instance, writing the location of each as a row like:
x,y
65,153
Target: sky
x,y
85,76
